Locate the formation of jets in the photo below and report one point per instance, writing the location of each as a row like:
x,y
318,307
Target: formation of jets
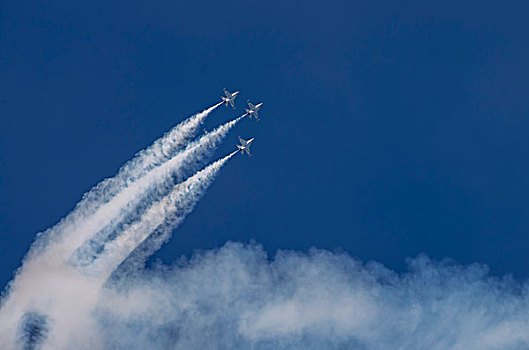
x,y
251,111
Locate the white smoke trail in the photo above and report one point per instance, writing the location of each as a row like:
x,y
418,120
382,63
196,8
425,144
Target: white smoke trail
x,y
160,151
140,195
165,214
115,209
47,287
164,148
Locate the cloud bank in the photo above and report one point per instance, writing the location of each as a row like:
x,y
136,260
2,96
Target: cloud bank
x,y
237,297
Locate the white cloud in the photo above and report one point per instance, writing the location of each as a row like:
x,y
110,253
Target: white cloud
x,y
234,297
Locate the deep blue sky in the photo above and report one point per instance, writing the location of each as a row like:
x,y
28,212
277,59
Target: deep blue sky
x,y
388,129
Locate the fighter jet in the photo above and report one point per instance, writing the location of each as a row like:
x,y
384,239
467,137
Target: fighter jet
x,y
229,98
252,110
245,146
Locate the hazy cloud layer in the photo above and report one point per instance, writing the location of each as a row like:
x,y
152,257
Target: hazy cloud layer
x,y
235,297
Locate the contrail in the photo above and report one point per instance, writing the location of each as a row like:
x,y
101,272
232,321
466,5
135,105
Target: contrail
x,y
165,214
48,287
164,148
192,156
136,198
160,151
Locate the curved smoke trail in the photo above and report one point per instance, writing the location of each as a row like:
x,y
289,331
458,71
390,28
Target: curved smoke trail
x,y
46,291
129,197
160,151
108,221
165,214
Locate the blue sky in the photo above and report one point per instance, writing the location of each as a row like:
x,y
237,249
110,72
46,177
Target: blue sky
x,y
388,129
